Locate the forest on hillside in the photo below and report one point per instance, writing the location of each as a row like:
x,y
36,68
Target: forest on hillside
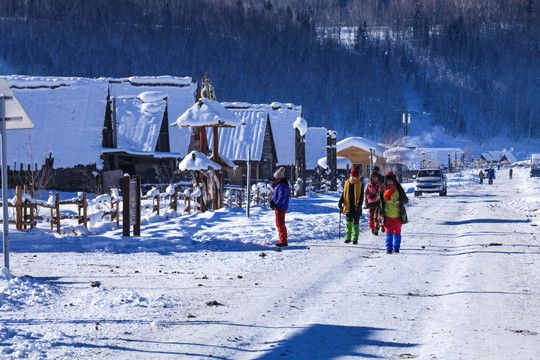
x,y
475,64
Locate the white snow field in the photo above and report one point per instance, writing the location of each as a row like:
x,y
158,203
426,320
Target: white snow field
x,y
466,284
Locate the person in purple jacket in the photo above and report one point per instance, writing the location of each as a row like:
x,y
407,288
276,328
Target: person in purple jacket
x,y
280,203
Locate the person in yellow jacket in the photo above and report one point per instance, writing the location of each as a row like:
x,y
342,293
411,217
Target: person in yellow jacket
x,y
350,204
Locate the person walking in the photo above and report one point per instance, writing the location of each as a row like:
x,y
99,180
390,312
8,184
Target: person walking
x,y
350,204
393,200
281,195
481,175
491,176
372,201
510,173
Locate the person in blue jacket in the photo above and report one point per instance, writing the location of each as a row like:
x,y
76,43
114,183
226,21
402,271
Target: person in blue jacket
x,y
491,176
280,203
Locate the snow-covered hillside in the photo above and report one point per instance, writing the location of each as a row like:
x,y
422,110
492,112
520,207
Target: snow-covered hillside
x,y
212,285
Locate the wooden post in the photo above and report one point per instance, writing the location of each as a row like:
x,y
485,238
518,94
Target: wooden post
x,y
32,209
300,161
18,208
137,225
157,197
111,217
85,211
52,213
57,205
175,206
25,208
331,158
117,213
239,198
125,212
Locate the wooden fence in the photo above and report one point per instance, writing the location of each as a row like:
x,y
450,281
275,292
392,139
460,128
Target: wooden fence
x,y
27,208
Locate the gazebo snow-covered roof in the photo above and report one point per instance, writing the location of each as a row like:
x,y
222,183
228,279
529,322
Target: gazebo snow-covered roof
x,y
197,161
207,113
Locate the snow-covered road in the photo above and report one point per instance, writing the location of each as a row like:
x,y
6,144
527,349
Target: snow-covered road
x,y
466,285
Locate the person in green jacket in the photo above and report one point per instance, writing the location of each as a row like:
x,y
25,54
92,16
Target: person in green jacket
x,y
350,204
393,200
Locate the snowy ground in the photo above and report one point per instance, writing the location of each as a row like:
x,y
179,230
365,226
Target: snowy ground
x,y
466,284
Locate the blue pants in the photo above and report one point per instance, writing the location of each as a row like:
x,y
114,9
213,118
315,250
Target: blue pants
x,y
393,242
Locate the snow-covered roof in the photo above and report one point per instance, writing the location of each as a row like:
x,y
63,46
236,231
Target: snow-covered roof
x,y
282,118
180,96
499,155
235,142
68,116
361,143
72,110
196,161
315,146
342,163
207,112
138,128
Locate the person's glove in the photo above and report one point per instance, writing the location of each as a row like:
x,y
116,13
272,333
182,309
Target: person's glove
x,y
273,205
340,205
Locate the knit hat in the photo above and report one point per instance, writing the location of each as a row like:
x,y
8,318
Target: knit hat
x,y
390,176
376,168
280,173
355,172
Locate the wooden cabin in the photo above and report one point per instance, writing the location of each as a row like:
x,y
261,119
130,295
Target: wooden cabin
x,y
85,128
359,150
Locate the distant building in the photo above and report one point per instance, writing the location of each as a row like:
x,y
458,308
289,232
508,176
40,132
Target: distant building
x,y
357,150
498,157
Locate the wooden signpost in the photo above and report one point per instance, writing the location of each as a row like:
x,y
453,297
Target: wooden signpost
x,y
131,193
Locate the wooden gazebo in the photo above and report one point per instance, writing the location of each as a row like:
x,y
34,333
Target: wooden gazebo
x,y
209,113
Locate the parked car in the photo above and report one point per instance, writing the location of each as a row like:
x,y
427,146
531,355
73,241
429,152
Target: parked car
x,y
430,181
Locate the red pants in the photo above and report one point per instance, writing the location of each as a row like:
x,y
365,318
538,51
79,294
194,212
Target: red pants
x,y
280,223
392,225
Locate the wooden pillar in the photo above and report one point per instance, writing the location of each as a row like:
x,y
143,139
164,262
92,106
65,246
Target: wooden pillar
x,y
57,206
331,158
85,211
300,161
18,208
32,209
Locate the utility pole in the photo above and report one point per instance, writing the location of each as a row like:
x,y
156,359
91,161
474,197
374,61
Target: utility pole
x,y
406,122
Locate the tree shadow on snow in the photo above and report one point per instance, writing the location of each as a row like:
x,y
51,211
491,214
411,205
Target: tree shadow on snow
x,y
321,341
485,221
